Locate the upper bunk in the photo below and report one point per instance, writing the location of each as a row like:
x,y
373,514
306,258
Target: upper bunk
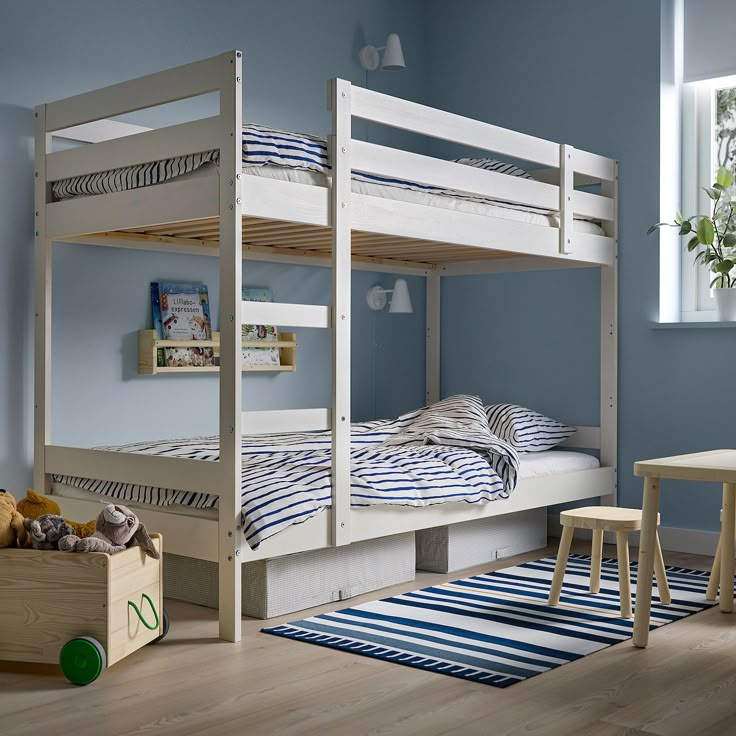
x,y
565,214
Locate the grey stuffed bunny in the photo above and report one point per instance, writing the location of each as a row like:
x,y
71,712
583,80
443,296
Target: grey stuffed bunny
x,y
47,531
117,528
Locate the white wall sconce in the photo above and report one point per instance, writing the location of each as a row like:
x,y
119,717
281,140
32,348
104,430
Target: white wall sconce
x,y
400,299
393,56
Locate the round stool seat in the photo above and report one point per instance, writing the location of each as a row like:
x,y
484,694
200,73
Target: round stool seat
x,y
606,518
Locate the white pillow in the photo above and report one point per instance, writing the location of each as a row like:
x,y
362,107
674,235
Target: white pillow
x,y
524,429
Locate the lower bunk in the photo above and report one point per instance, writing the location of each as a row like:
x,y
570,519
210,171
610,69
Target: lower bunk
x,y
298,568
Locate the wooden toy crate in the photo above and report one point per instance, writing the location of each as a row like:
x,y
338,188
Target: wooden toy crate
x,y
49,598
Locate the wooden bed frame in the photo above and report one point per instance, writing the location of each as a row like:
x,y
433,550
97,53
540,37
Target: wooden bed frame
x,y
234,217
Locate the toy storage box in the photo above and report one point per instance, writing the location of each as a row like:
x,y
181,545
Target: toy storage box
x,y
50,597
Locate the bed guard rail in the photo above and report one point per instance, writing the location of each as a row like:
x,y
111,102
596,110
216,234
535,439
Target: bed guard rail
x,y
558,195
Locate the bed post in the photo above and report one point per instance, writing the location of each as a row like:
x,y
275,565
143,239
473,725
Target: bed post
x,y
340,139
567,185
609,345
231,236
42,278
432,355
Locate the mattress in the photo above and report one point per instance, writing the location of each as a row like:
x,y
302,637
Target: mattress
x,y
303,159
533,465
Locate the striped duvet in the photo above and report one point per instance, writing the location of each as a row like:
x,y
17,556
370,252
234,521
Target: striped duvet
x,y
263,146
286,478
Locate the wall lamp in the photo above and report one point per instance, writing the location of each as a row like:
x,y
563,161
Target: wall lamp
x,y
393,56
400,299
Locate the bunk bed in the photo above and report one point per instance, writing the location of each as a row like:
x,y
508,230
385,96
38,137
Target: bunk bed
x,y
227,213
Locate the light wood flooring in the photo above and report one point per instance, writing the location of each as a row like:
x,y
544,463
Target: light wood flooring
x,y
684,684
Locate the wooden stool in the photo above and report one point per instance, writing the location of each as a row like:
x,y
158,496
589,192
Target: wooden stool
x,y
715,574
606,519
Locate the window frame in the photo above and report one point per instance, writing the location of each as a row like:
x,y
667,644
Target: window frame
x,y
698,171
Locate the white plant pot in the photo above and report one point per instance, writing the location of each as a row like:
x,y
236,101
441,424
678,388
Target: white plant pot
x,y
725,304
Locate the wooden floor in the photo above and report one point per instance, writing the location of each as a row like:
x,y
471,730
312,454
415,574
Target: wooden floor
x,y
684,684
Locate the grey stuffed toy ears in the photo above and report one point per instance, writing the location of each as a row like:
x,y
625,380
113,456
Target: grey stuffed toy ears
x,y
143,540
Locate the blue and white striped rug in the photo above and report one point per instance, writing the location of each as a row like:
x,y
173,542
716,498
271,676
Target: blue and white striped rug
x,y
497,628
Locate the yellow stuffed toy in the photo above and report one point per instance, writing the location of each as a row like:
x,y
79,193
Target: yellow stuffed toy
x,y
35,505
12,531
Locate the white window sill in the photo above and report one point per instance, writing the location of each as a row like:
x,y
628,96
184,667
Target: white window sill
x,y
707,324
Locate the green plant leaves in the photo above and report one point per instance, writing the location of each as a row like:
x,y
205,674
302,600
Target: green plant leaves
x,y
706,231
723,266
724,177
712,192
685,227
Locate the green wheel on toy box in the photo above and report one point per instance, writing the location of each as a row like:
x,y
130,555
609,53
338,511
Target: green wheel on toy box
x,y
82,660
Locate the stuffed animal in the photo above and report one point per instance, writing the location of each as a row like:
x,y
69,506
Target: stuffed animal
x,y
12,531
47,530
35,505
117,528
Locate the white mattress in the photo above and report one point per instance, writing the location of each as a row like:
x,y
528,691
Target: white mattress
x,y
533,465
456,204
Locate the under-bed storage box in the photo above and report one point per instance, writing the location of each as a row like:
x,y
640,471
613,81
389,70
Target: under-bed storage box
x,y
295,582
455,547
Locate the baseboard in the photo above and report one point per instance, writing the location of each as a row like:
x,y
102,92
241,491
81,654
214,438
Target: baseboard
x,y
692,541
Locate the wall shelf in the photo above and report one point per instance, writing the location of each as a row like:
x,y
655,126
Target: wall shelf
x,y
149,344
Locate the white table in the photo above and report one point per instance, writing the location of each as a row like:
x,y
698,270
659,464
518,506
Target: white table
x,y
714,466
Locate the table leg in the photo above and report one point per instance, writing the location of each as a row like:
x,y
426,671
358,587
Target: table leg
x,y
647,551
560,565
624,580
727,542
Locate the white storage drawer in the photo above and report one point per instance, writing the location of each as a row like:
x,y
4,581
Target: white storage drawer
x,y
295,582
455,547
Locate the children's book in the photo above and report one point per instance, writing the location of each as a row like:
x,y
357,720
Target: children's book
x,y
265,355
182,312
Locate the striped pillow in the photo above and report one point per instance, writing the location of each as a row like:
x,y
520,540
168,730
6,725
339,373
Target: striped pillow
x,y
264,146
524,429
491,164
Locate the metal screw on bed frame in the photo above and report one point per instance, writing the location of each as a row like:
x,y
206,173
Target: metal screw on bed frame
x,y
230,206
342,524
230,183
237,79
343,149
238,201
36,213
237,553
229,558
343,205
229,534
36,115
342,419
237,176
237,528
36,174
36,232
230,429
238,54
342,316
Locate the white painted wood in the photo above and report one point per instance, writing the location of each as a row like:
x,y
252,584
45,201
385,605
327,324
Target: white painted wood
x,y
231,313
286,200
594,206
565,193
552,176
160,88
185,534
432,347
287,420
177,200
42,309
392,162
292,315
588,438
429,121
341,202
196,136
511,264
410,220
650,513
98,131
609,346
182,474
593,165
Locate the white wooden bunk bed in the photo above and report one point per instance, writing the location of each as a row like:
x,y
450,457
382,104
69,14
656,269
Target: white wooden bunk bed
x,y
234,216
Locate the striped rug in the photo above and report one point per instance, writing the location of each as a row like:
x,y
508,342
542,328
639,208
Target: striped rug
x,y
497,628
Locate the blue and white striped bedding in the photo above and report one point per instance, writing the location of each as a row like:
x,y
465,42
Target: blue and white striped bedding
x,y
286,478
263,146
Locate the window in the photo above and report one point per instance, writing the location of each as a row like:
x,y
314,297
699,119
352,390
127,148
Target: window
x,y
709,141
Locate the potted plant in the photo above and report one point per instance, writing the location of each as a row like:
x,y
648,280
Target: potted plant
x,y
713,238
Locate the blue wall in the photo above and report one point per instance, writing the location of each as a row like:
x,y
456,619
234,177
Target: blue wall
x,y
584,72
290,51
